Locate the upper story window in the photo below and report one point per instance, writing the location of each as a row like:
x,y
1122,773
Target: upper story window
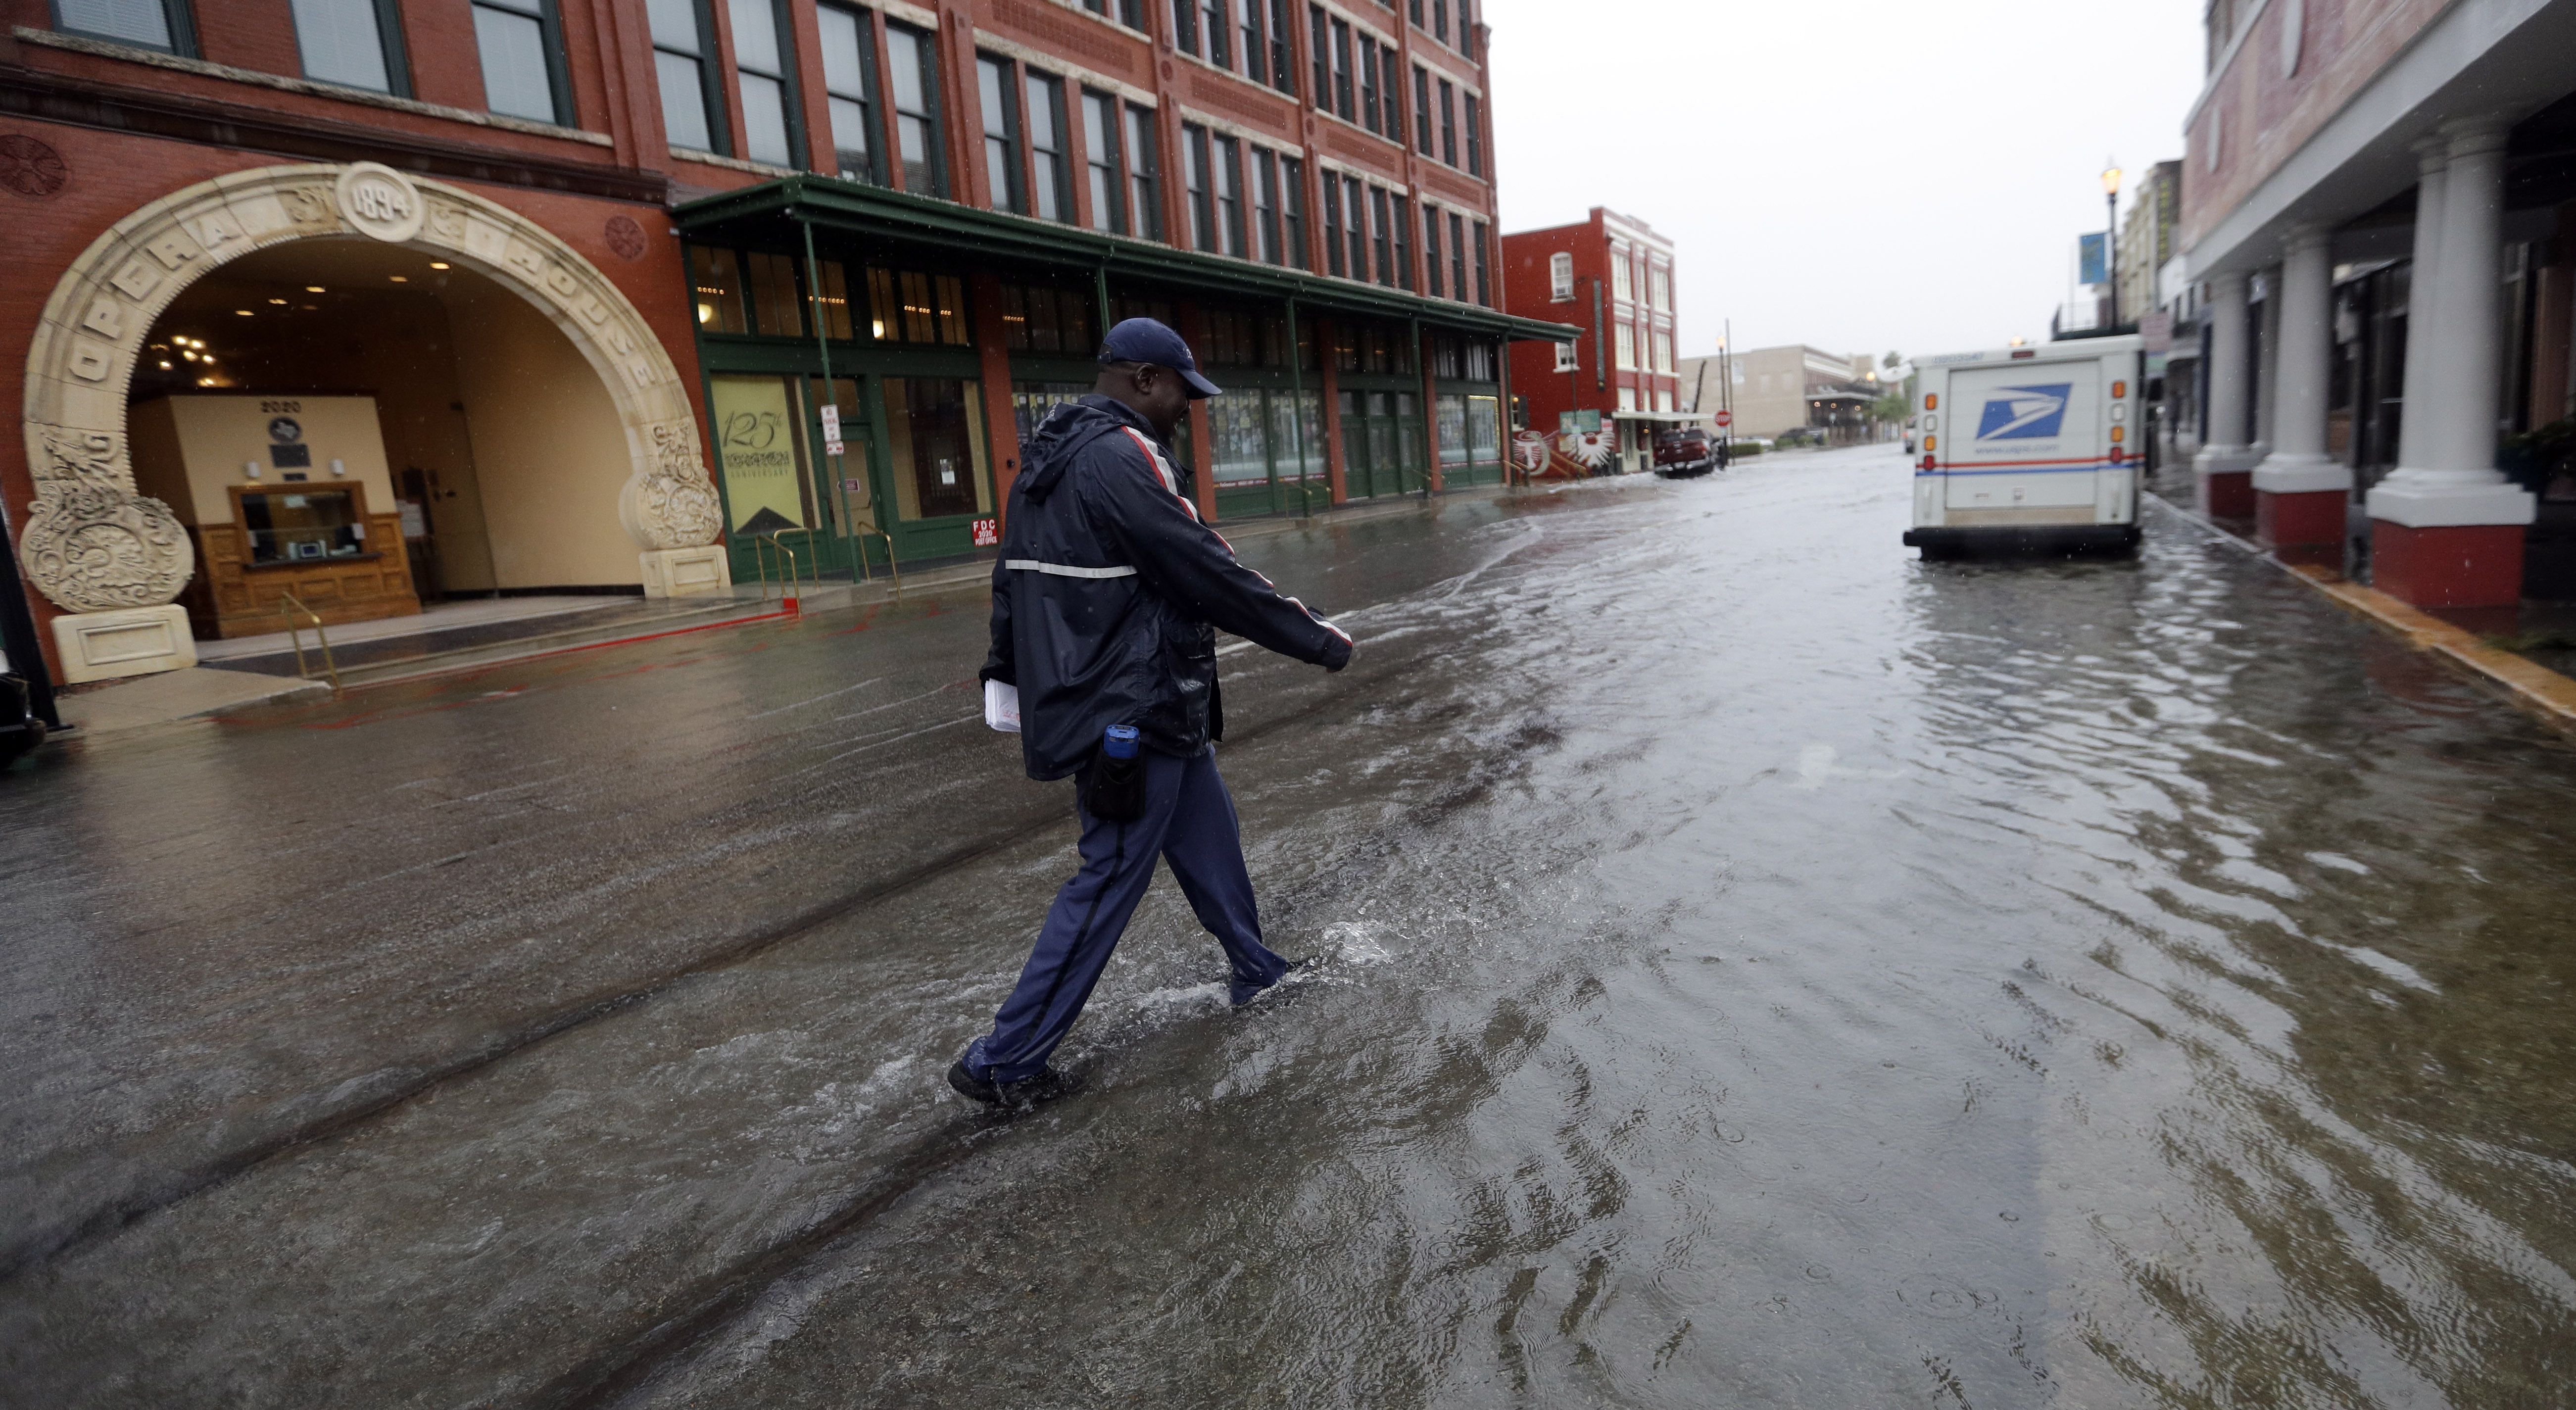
x,y
1440,20
150,24
1001,133
1100,157
912,66
1292,212
1623,285
1144,186
762,66
1422,110
1051,182
1560,276
1659,289
352,42
1484,280
1130,13
1432,283
1283,50
683,41
1448,123
521,45
1475,140
850,92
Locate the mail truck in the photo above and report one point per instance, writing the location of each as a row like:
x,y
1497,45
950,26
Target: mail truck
x,y
2030,450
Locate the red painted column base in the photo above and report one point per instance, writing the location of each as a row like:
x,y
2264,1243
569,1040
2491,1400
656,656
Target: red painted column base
x,y
2466,565
2304,519
2227,494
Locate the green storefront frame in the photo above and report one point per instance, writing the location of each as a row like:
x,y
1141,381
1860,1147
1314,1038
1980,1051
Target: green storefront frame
x,y
856,225
1469,464
852,497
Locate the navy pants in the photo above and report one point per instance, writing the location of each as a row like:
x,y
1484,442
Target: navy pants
x,y
1189,821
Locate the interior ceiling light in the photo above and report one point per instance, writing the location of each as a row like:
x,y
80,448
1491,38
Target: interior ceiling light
x,y
399,279
277,301
243,312
313,289
438,264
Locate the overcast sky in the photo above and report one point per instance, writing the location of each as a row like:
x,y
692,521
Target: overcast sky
x,y
1863,175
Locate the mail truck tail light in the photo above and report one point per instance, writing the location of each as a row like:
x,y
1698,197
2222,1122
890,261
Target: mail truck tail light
x,y
2119,434
1931,401
1927,462
1930,441
2119,390
2118,455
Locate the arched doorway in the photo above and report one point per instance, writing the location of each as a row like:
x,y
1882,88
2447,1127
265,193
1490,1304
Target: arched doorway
x,y
116,559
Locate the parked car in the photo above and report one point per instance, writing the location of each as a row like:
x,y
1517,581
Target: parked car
x,y
1909,435
1683,452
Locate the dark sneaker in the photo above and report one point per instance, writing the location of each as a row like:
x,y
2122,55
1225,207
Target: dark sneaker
x,y
1242,998
1046,1086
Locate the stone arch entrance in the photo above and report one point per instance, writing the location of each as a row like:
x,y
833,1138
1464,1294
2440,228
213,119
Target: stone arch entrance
x,y
115,560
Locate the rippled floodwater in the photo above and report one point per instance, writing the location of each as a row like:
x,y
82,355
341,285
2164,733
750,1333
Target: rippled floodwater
x,y
1758,969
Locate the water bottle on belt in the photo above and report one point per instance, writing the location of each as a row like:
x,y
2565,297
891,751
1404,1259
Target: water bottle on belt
x,y
1115,782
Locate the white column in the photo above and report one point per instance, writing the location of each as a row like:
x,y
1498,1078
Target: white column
x,y
2432,167
2304,292
2267,360
2229,377
2454,480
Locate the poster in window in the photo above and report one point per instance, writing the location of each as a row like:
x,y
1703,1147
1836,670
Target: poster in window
x,y
756,445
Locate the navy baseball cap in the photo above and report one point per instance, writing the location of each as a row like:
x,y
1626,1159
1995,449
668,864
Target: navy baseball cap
x,y
1150,340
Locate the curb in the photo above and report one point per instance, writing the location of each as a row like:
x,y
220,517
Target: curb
x,y
2526,684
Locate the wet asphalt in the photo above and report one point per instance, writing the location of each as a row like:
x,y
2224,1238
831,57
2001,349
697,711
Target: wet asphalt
x,y
1755,968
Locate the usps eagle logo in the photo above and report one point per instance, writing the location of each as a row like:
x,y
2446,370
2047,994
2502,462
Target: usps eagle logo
x,y
2024,413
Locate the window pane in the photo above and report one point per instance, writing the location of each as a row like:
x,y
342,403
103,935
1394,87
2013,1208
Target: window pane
x,y
684,105
764,120
850,140
516,80
717,290
760,450
755,36
674,24
777,309
1240,444
341,43
142,22
936,441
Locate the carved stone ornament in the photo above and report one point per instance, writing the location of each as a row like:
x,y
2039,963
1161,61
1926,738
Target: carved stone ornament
x,y
675,503
93,545
381,202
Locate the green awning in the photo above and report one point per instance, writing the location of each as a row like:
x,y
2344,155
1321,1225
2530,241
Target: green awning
x,y
769,214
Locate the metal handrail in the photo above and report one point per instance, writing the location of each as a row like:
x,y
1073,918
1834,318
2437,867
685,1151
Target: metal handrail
x,y
287,608
859,534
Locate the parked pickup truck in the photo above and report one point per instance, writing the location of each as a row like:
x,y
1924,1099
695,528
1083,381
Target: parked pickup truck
x,y
2030,450
1682,452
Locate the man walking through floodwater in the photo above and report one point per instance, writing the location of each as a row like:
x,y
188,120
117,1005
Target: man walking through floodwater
x,y
1105,605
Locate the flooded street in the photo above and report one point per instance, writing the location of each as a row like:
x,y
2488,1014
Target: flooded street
x,y
1757,968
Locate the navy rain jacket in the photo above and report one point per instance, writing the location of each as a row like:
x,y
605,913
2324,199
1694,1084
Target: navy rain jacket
x,y
1109,590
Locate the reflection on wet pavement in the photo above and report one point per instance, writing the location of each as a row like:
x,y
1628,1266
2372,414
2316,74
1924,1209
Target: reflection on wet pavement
x,y
1758,969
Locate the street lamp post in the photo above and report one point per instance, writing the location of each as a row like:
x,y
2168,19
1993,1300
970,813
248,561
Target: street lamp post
x,y
2111,233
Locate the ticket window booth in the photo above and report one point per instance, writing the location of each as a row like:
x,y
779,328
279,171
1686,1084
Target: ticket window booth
x,y
288,502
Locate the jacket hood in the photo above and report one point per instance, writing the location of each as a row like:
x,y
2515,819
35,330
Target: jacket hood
x,y
1061,437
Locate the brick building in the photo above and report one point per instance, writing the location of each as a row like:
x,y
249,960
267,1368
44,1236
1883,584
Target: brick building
x,y
376,302
1611,276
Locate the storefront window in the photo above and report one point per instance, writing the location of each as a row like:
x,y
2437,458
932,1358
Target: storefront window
x,y
776,310
760,450
1485,430
1039,319
935,435
1291,421
715,280
1237,429
1033,402
906,307
1449,413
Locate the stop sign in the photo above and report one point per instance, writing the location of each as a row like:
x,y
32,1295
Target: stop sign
x,y
1724,418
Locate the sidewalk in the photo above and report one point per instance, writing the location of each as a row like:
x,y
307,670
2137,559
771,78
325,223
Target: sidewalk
x,y
2508,665
472,633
